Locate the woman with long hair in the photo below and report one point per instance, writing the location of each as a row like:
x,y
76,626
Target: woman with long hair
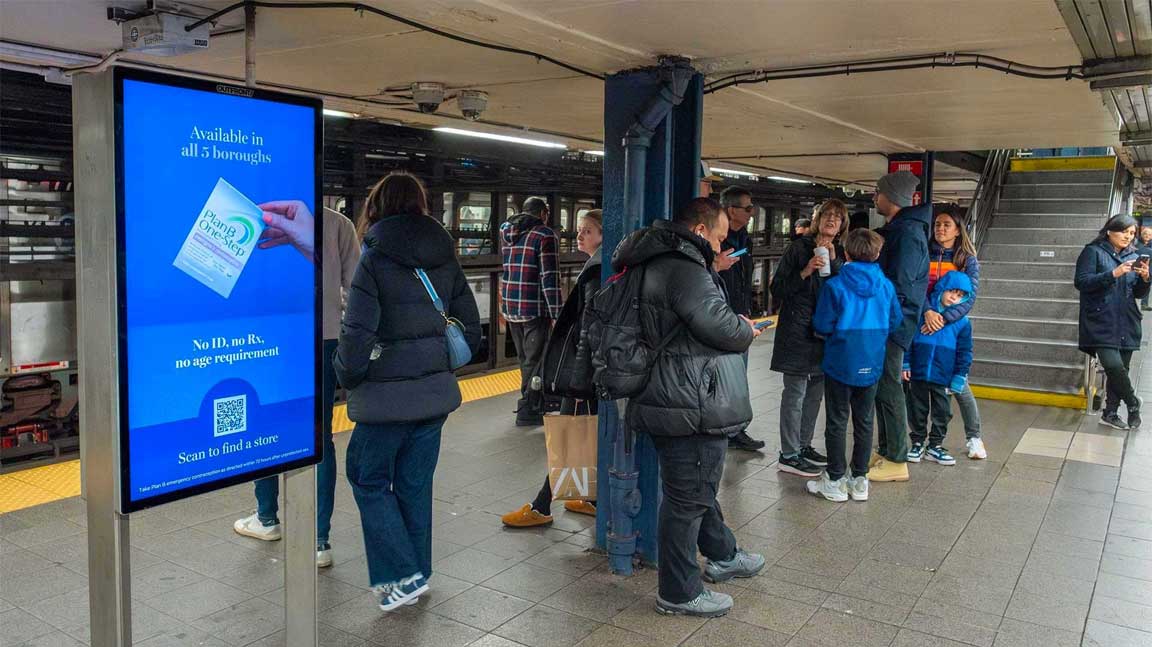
x,y
1110,278
569,379
950,249
797,352
393,358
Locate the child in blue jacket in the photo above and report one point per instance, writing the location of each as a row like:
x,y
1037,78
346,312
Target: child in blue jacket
x,y
854,313
936,366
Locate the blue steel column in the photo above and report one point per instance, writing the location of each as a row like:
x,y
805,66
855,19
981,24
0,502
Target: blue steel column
x,y
645,169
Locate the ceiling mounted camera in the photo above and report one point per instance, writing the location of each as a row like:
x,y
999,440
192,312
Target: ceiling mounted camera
x,y
428,95
472,103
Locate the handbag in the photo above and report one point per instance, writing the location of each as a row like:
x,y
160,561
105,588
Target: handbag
x,y
571,442
459,354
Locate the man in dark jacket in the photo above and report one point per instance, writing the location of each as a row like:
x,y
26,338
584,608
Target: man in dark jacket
x,y
904,259
530,298
697,395
736,271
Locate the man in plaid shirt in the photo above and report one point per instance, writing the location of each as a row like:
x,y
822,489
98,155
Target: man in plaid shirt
x,y
530,298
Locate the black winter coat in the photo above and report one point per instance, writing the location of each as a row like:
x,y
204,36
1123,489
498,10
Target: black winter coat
x,y
796,350
904,259
738,278
1109,314
566,367
388,308
699,384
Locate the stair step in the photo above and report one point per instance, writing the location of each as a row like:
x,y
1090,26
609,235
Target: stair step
x,y
1070,190
1059,177
1034,288
1023,327
1032,253
1054,377
1052,205
1062,221
1026,270
1059,309
1005,384
1026,350
1038,236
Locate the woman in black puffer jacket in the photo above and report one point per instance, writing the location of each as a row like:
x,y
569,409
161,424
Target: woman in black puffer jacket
x,y
566,368
796,351
1110,279
393,359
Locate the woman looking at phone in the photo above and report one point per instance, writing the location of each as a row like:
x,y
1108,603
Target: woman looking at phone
x,y
1111,276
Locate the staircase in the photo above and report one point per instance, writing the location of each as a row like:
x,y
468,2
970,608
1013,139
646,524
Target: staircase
x,y
1024,324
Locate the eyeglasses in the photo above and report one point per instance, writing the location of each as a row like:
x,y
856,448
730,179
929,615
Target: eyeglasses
x,y
746,209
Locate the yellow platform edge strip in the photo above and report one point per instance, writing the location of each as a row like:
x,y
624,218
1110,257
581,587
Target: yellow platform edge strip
x,y
1060,400
1093,163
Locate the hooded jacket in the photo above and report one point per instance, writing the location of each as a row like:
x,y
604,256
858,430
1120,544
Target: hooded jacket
x,y
796,350
566,367
904,259
698,384
940,263
389,309
856,312
530,284
947,353
1109,315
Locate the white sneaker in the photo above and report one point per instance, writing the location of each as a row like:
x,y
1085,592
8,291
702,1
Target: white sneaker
x,y
976,449
858,488
832,490
324,557
253,527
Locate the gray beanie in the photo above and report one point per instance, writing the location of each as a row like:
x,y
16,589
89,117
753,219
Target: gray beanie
x,y
899,187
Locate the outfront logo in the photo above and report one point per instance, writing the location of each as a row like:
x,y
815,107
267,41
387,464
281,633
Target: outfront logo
x,y
235,91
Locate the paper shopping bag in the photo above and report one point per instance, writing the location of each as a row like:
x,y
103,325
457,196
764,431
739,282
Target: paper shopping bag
x,y
571,444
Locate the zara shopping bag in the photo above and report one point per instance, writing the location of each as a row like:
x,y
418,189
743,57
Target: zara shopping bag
x,y
571,444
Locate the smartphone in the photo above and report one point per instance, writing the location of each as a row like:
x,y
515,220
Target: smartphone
x,y
739,252
1143,259
767,323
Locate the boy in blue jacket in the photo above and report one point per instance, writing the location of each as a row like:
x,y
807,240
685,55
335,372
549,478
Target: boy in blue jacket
x,y
936,366
855,312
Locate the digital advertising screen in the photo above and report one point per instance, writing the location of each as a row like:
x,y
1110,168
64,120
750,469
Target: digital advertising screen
x,y
218,284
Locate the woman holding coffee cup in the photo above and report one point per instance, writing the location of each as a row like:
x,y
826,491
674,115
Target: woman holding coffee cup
x,y
797,352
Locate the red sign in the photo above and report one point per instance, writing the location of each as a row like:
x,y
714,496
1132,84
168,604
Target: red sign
x,y
916,167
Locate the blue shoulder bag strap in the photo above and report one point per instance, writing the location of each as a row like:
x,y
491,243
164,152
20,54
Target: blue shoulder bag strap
x,y
423,276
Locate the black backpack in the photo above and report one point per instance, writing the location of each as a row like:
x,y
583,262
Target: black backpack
x,y
622,355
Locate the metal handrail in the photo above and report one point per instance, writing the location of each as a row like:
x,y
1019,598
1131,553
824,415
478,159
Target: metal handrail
x,y
986,198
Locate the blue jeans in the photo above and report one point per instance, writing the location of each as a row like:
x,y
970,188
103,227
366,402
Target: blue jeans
x,y
390,468
268,489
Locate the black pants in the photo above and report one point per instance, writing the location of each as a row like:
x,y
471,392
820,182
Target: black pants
x,y
1115,364
891,408
568,407
928,401
839,399
529,337
690,517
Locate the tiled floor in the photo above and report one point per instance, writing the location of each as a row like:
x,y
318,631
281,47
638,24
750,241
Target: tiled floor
x,y
1046,543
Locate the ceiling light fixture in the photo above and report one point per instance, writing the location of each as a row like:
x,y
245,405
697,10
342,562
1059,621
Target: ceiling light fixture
x,y
780,178
501,138
339,114
595,153
729,171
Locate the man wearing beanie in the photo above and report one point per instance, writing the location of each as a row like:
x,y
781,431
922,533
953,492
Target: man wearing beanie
x,y
904,260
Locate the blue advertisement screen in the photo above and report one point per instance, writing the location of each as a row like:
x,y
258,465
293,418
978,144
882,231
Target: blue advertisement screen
x,y
219,320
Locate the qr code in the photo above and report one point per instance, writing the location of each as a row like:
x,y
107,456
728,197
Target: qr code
x,y
230,415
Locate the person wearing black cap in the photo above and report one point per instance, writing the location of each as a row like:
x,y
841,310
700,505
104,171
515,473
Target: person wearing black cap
x,y
904,260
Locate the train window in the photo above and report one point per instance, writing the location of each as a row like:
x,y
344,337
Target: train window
x,y
446,218
473,214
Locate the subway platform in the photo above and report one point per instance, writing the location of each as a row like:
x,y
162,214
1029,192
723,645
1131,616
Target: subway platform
x,y
1048,543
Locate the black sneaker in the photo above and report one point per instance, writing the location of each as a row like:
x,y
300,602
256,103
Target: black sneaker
x,y
813,456
1110,419
1133,418
799,466
745,442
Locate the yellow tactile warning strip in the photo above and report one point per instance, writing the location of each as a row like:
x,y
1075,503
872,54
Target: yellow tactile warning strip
x,y
1094,163
1061,400
30,487
38,485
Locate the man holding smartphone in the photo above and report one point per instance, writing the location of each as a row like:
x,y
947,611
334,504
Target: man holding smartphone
x,y
735,265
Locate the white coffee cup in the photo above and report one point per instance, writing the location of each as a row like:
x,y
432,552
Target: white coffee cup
x,y
826,268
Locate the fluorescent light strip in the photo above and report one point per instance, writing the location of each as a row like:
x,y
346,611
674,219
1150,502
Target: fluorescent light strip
x,y
729,171
779,178
595,153
328,112
501,138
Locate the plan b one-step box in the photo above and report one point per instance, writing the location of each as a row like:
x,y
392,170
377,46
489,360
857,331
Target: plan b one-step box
x,y
222,239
